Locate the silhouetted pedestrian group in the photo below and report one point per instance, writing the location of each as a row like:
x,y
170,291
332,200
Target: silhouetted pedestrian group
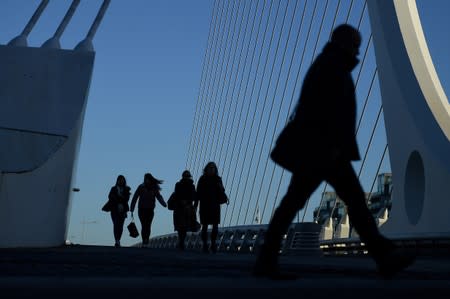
x,y
184,202
318,144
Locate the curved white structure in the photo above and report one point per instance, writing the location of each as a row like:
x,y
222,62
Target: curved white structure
x,y
43,95
417,118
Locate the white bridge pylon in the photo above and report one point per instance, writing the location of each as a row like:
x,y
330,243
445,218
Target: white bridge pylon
x,y
43,94
417,120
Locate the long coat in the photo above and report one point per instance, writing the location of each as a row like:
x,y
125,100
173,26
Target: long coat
x,y
115,199
325,116
209,191
184,213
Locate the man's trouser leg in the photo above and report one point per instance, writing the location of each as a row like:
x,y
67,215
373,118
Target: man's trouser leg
x,y
343,179
299,190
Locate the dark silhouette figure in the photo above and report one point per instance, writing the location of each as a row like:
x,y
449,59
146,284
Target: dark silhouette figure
x,y
210,190
323,126
147,192
184,210
118,198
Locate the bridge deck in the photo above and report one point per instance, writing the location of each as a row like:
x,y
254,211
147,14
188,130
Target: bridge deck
x,y
110,271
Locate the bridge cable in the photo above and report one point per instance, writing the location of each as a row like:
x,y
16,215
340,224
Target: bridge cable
x,y
206,114
310,26
208,97
240,84
202,77
248,78
293,96
215,151
266,94
239,89
217,99
265,65
214,87
369,197
283,60
204,99
228,144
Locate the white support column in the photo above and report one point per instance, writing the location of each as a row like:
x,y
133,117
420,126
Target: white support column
x,y
326,232
383,217
417,118
44,96
343,228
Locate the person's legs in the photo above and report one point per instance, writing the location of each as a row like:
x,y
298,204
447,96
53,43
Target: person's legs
x,y
388,258
299,190
118,231
116,221
204,235
343,179
150,215
181,238
145,225
214,233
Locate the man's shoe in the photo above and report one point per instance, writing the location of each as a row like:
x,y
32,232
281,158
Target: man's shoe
x,y
394,262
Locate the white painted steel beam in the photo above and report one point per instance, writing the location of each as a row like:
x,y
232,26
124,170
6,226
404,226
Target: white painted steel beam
x,y
417,119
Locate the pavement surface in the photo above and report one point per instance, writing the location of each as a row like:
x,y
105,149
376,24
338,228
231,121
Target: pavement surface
x,y
101,272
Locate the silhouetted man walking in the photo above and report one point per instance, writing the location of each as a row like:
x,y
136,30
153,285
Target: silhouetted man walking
x,y
319,144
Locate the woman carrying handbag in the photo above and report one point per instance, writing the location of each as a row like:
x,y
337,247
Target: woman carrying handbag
x,y
147,193
182,204
117,204
210,194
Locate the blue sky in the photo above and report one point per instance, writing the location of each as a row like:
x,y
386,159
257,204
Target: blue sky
x,y
144,90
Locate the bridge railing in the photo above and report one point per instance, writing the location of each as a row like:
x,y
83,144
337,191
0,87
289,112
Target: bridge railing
x,y
302,238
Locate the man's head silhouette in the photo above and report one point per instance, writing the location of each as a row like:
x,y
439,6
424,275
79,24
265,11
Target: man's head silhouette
x,y
347,38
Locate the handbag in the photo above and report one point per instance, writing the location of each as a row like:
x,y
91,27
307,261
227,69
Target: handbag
x,y
171,203
223,198
194,224
132,229
196,227
107,207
